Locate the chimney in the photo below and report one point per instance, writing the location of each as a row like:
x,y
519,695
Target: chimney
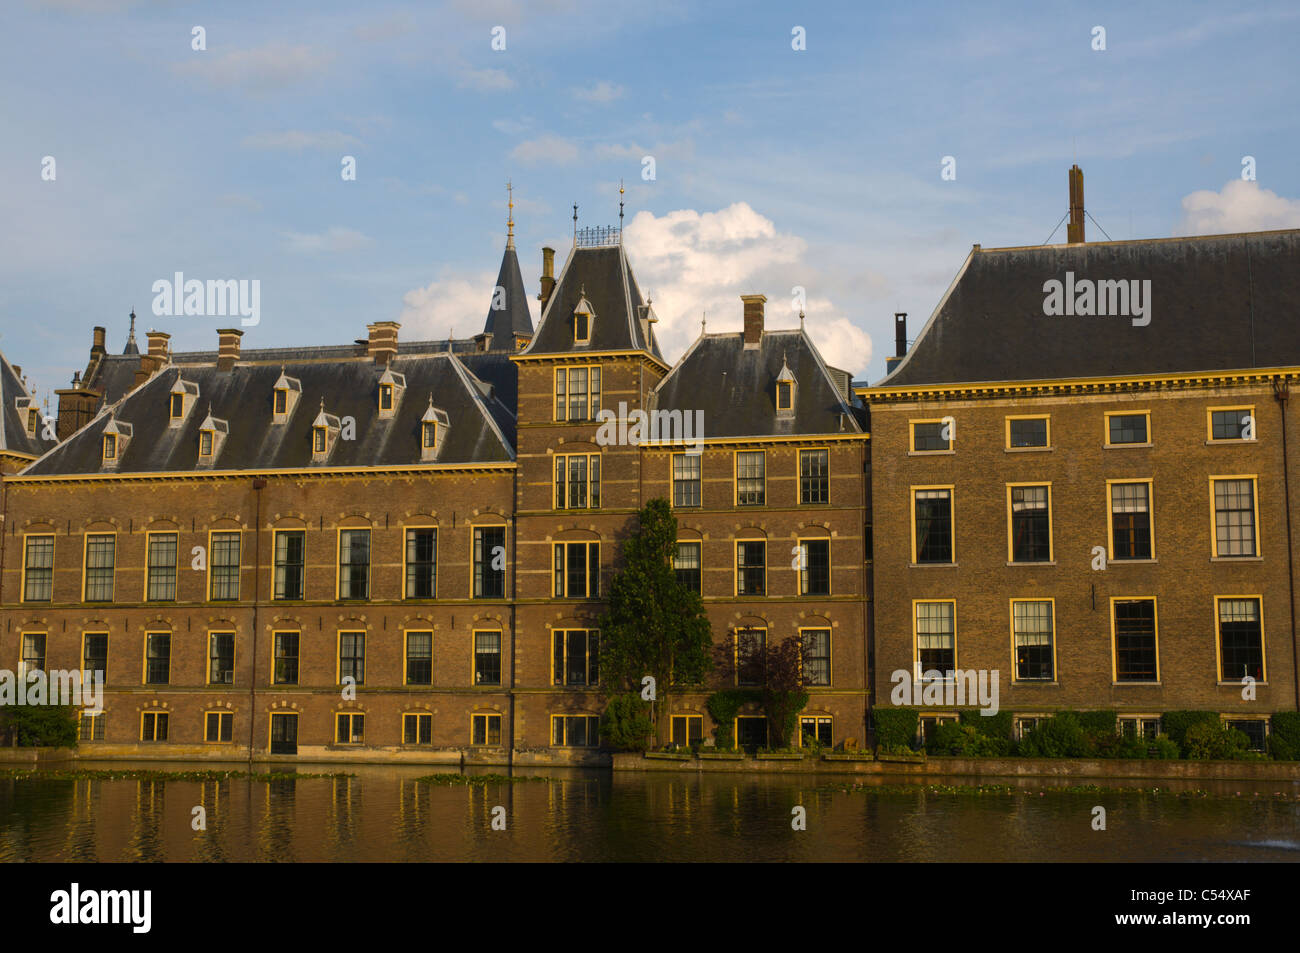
x,y
753,318
548,276
382,345
1074,231
900,342
76,409
228,347
157,344
97,343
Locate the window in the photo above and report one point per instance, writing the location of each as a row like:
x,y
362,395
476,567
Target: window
x,y
1024,726
486,730
816,656
419,658
930,436
686,566
1232,423
577,570
224,567
686,479
575,731
289,566
577,481
284,733
158,658
815,567
1241,640
750,478
1128,429
1139,727
153,726
1031,626
1026,433
1135,640
417,728
385,396
751,732
33,420
932,540
421,563
281,402
429,434
1234,517
110,446
687,730
1130,521
162,567
99,567
352,657
354,564
350,728
219,726
91,726
936,653
38,568
318,440
814,476
815,729
33,659
577,393
205,443
221,658
286,658
751,567
581,331
489,562
784,395
1031,529
576,657
94,651
1255,730
177,406
751,656
487,658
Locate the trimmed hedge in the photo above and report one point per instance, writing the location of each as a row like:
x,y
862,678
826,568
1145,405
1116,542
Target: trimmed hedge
x,y
1284,737
1175,724
992,726
895,727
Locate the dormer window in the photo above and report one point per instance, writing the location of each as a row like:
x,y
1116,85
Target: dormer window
x,y
784,396
582,319
391,388
285,394
324,434
430,431
205,443
433,432
117,435
33,420
178,406
110,446
319,439
181,400
786,390
212,435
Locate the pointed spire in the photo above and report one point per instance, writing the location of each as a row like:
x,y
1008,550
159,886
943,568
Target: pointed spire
x,y
620,211
575,224
131,346
801,319
510,220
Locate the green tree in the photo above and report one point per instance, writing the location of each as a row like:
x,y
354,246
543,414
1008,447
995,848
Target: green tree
x,y
653,625
777,671
41,726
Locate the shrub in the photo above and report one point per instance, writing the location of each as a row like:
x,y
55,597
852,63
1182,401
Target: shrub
x,y
1175,724
895,727
1284,736
965,740
723,707
1164,748
41,726
1215,742
1060,736
992,726
625,724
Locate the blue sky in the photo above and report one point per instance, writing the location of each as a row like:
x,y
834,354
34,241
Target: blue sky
x,y
775,168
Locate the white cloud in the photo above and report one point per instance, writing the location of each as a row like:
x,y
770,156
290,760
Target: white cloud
x,y
262,70
296,140
691,262
547,148
602,92
333,239
451,303
1240,207
484,80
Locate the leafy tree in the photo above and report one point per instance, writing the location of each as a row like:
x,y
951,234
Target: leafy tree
x,y
626,725
41,726
653,625
777,671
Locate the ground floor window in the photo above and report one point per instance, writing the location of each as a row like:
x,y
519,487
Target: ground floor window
x,y
815,728
351,727
219,726
486,730
417,729
1139,727
751,732
284,733
1024,726
1256,729
687,730
153,726
930,722
575,731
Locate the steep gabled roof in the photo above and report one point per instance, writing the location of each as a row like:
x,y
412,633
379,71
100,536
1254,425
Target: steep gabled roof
x,y
512,317
603,275
735,386
243,396
1218,302
14,438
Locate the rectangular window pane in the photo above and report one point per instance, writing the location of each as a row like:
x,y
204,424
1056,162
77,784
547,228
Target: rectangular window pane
x,y
561,401
751,656
929,436
38,569
1128,428
33,653
158,656
1032,622
162,567
286,658
1229,424
421,563
577,393
686,565
815,576
487,658
354,564
1241,640
751,568
224,566
489,562
686,479
1130,510
935,638
933,526
289,567
1234,518
1135,641
99,567
419,658
1031,432
352,657
221,658
96,655
816,656
814,478
750,479
1031,539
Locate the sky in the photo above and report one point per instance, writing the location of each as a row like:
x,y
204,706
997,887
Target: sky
x,y
842,157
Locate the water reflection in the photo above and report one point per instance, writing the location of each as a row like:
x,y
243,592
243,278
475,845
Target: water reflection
x,y
384,813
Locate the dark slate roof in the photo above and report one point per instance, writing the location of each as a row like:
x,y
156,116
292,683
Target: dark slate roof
x,y
1219,302
13,422
514,318
243,397
603,275
736,387
115,376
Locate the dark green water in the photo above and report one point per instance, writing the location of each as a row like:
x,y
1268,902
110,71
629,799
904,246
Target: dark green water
x,y
384,814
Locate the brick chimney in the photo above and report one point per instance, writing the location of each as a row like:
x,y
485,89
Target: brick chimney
x,y
548,276
228,347
900,342
753,318
76,409
97,342
1074,231
158,344
152,360
382,345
